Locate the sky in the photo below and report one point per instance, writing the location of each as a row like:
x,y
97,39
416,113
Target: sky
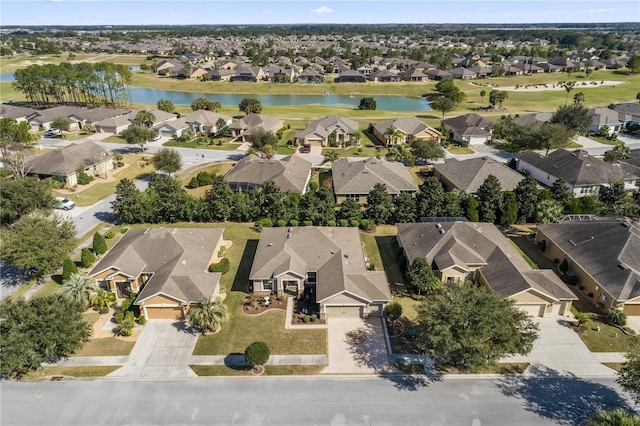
x,y
179,12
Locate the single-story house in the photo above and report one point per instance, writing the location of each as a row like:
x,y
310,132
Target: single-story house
x,y
119,123
583,173
19,113
404,130
351,76
62,163
291,173
413,75
471,128
326,130
470,174
384,75
326,263
246,73
167,268
535,118
353,178
221,74
458,251
173,127
311,75
627,112
253,123
206,122
463,73
605,117
604,256
439,75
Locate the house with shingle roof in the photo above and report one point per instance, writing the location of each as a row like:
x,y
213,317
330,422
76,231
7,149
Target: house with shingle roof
x,y
404,130
459,251
603,254
583,173
331,128
350,76
291,173
471,128
167,268
311,75
439,75
384,75
254,123
63,163
627,112
602,117
327,264
19,113
463,73
413,75
353,178
119,123
206,122
470,174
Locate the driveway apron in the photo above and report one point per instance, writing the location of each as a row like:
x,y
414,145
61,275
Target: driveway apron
x,y
368,357
163,349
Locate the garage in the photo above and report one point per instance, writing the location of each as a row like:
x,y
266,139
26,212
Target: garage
x,y
164,313
534,310
343,311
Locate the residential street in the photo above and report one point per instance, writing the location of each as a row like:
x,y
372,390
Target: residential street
x,y
354,400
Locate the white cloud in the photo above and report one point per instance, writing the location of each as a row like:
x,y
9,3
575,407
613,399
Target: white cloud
x,y
322,9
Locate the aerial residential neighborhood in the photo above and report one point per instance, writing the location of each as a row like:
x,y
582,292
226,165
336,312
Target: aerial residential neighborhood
x,y
429,222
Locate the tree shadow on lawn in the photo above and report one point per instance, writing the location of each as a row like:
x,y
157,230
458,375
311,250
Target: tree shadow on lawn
x,y
241,280
564,399
373,354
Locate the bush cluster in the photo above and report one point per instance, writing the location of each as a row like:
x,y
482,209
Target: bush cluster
x,y
201,179
223,266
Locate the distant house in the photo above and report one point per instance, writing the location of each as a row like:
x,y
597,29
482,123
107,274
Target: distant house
x,y
19,113
470,174
326,264
471,128
279,74
439,75
535,118
605,117
246,73
384,76
603,255
253,123
221,74
311,75
583,173
291,173
413,75
173,128
353,178
117,124
206,122
404,130
63,163
167,268
463,73
351,76
459,251
326,130
627,112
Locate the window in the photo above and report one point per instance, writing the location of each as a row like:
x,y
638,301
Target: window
x,y
267,285
312,277
355,197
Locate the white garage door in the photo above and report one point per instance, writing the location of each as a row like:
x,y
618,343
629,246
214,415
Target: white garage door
x,y
533,310
343,311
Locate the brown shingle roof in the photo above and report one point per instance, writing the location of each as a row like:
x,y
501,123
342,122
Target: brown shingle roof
x,y
64,161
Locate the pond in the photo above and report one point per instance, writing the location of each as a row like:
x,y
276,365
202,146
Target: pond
x,y
146,95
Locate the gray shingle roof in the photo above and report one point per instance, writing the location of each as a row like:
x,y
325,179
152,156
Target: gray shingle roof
x,y
608,250
358,176
334,253
469,124
64,161
177,258
254,122
327,125
290,173
470,174
471,245
409,126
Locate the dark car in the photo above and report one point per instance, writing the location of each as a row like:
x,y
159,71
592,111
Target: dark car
x,y
306,149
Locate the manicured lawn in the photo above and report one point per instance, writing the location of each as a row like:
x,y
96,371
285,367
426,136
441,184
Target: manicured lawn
x,y
270,370
604,140
98,191
108,346
617,366
224,147
220,169
94,371
460,150
608,339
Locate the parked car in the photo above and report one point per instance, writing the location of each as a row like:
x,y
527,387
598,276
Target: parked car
x,y
52,133
306,149
63,203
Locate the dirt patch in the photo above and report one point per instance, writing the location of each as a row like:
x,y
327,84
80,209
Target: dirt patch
x,y
256,305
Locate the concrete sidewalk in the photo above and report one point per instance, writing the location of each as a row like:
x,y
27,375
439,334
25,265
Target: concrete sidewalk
x,y
88,361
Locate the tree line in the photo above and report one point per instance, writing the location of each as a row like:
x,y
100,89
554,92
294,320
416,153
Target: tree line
x,y
99,84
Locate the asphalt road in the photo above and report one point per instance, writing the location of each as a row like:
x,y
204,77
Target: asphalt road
x,y
309,401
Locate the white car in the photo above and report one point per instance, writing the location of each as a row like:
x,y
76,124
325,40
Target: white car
x,y
51,133
63,203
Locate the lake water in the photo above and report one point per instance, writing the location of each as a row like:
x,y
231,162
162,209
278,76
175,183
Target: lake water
x,y
145,95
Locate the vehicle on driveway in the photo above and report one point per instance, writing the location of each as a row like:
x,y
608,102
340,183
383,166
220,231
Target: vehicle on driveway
x,y
52,133
63,203
306,149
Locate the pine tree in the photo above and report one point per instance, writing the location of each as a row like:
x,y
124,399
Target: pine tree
x,y
87,258
68,267
99,244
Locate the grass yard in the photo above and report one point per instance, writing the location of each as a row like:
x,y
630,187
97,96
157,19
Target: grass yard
x,y
172,143
99,190
270,370
93,371
604,140
616,366
220,169
460,150
107,346
608,339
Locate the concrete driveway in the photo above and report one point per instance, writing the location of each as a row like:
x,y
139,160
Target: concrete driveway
x,y
368,357
163,350
559,348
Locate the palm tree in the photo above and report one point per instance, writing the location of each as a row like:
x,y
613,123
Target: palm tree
x,y
145,118
400,153
330,156
102,298
208,314
393,134
548,211
80,288
578,98
616,417
568,87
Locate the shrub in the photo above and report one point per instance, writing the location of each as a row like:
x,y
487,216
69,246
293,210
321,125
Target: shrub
x,y
129,316
87,258
142,320
343,223
364,224
126,328
393,311
257,353
68,267
266,222
355,223
306,318
331,223
314,185
223,266
119,317
281,223
83,177
124,230
103,310
617,317
109,234
293,222
204,178
314,317
99,244
193,183
307,223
